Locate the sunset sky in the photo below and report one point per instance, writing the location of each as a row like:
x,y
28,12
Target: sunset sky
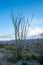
x,y
24,7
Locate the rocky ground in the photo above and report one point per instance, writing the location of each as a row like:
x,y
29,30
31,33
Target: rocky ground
x,y
32,49
4,62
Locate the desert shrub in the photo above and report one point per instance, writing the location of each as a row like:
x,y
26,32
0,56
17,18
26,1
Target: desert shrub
x,y
19,57
1,45
13,48
36,57
12,59
27,57
25,63
33,57
40,60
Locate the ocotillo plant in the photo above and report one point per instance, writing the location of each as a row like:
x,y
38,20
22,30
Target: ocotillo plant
x,y
20,29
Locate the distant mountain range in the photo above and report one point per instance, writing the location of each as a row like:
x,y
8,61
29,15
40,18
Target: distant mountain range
x,y
38,36
31,39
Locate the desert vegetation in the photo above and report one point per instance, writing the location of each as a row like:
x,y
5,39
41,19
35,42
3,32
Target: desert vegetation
x,y
21,53
30,53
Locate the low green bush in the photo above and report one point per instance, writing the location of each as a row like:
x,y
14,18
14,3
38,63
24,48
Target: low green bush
x,y
25,63
1,45
40,60
35,57
27,58
11,59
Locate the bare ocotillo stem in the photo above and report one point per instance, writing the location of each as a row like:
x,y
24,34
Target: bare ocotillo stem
x,y
20,29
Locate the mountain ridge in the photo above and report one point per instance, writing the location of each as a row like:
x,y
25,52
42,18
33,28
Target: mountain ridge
x,y
32,39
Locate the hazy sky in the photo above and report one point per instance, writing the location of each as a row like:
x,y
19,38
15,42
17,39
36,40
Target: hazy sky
x,y
24,7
